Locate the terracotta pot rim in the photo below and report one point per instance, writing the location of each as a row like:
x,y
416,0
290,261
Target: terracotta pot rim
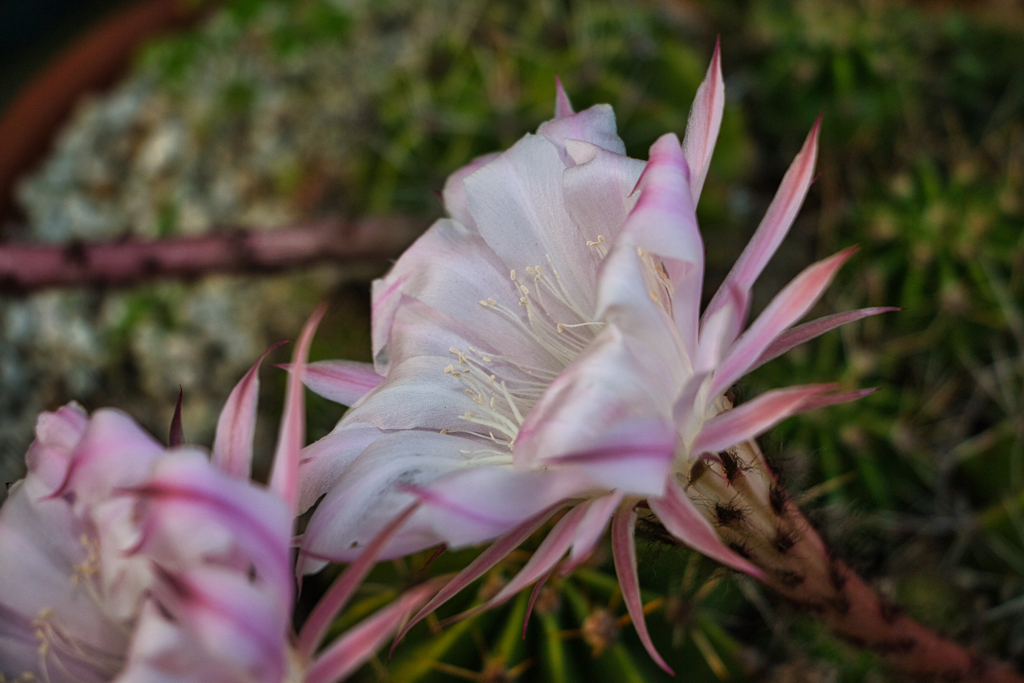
x,y
90,63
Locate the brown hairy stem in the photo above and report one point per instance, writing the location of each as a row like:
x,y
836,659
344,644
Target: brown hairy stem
x,y
755,517
814,581
26,268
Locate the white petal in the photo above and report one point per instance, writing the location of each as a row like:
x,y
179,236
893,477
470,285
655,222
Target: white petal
x,y
595,125
599,191
372,489
519,208
454,192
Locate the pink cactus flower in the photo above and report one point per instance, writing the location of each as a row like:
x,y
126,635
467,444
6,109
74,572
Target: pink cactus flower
x,y
544,347
124,561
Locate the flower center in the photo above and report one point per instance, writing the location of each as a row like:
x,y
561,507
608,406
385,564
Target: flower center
x,y
504,388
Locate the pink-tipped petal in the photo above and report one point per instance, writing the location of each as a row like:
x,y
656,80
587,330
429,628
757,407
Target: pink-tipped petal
x,y
634,455
664,224
234,619
236,426
337,596
534,594
802,333
494,554
563,107
198,510
341,381
284,474
788,306
682,519
598,512
57,434
753,418
704,123
114,452
541,563
774,226
359,643
719,329
624,554
823,400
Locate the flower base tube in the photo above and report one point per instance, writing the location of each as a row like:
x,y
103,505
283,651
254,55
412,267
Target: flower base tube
x,y
752,513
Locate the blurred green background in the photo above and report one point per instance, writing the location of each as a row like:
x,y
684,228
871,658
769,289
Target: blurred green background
x,y
281,111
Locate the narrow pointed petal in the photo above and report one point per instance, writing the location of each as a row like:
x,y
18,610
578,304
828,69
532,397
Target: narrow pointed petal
x,y
337,596
822,400
682,519
704,123
624,554
236,426
753,418
719,330
341,381
534,594
541,562
788,306
598,513
775,224
176,435
360,642
494,554
803,333
563,107
284,474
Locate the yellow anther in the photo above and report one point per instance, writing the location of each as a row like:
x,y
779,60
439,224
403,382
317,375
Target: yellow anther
x,y
654,296
513,275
